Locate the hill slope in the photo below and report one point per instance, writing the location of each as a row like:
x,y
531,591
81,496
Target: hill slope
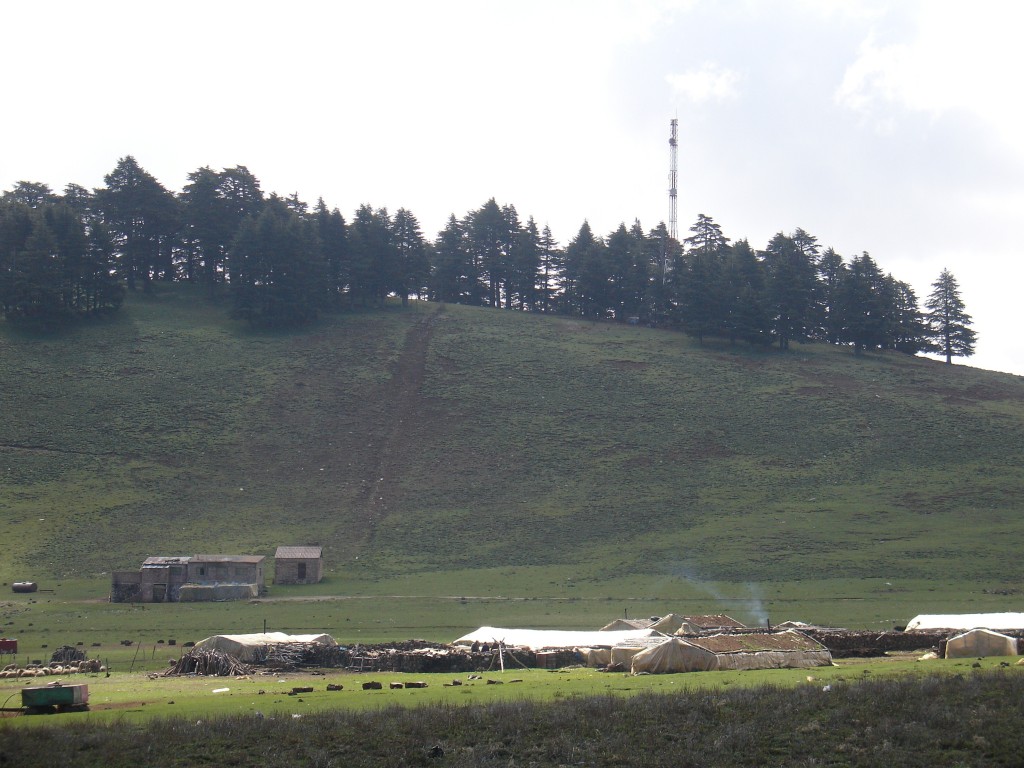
x,y
451,439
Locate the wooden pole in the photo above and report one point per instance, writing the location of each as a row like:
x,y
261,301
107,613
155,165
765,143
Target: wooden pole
x,y
139,645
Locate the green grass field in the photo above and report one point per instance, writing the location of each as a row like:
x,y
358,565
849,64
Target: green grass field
x,y
137,696
465,466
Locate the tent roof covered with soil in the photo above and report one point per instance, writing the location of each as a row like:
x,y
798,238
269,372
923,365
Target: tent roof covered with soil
x,y
780,650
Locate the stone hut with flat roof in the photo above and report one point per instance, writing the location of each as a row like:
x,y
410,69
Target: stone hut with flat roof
x,y
190,579
298,565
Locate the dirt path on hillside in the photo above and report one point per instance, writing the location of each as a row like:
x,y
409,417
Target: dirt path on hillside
x,y
401,396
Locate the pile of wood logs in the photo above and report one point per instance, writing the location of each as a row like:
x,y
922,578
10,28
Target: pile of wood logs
x,y
421,656
208,662
407,656
67,653
293,655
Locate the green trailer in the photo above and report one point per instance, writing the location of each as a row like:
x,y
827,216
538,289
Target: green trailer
x,y
55,698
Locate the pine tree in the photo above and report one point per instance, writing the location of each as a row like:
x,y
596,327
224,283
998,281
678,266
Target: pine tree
x,y
949,326
550,271
333,234
452,272
525,268
411,266
790,289
279,275
866,309
585,287
143,217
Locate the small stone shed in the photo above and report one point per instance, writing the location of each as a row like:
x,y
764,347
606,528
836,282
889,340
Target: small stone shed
x,y
298,565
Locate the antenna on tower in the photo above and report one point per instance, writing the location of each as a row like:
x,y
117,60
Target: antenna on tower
x,y
673,143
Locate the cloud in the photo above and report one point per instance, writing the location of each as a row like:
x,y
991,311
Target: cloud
x,y
955,59
709,82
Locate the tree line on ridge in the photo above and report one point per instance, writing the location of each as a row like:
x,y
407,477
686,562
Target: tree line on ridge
x,y
278,262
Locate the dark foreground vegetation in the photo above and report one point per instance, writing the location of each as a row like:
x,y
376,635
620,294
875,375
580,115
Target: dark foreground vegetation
x,y
946,720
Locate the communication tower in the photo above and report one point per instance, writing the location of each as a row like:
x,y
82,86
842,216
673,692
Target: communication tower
x,y
673,144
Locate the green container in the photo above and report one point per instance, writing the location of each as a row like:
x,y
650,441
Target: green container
x,y
55,696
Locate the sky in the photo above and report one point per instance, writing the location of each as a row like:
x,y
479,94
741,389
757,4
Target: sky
x,y
893,128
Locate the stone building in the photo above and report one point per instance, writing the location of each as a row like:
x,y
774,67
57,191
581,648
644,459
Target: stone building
x,y
190,579
298,565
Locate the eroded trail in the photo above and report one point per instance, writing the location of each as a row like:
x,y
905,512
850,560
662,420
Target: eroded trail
x,y
402,398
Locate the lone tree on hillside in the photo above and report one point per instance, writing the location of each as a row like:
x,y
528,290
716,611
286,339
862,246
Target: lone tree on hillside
x,y
949,326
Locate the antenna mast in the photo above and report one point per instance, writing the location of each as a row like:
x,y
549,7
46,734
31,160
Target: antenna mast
x,y
673,143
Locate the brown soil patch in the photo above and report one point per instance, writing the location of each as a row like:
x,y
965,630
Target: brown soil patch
x,y
627,365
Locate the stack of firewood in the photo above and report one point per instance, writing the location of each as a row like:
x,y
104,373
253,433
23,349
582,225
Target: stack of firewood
x,y
208,662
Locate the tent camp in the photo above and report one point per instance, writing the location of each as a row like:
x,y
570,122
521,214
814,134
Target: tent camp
x,y
540,639
996,621
250,647
781,650
980,642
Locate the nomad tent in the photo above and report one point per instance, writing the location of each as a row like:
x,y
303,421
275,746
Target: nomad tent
x,y
596,657
250,647
539,639
980,642
781,650
623,653
996,621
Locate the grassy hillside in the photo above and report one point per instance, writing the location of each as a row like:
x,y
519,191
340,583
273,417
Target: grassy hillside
x,y
446,450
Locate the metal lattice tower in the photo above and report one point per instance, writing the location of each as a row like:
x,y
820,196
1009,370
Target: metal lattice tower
x,y
673,143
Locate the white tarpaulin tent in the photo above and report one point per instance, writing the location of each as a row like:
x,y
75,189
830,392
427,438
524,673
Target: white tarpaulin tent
x,y
996,621
539,639
596,657
674,655
980,642
623,653
249,647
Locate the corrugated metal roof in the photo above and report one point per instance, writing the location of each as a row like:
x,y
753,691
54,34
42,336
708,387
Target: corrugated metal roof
x,y
299,553
165,561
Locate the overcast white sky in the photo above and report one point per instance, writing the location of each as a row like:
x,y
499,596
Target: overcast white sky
x,y
895,128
